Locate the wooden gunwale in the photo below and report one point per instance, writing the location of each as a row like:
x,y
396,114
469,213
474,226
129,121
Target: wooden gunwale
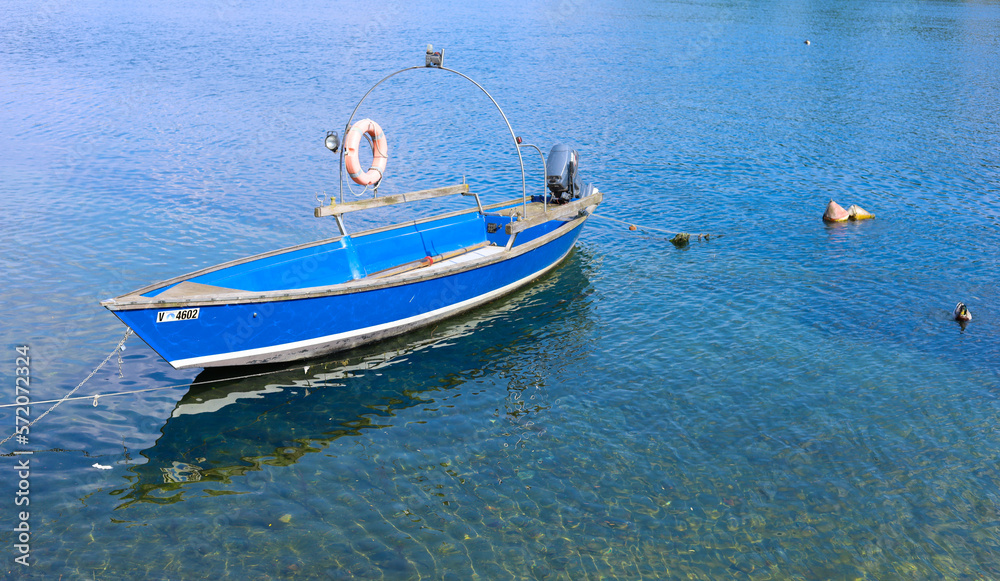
x,y
574,207
424,262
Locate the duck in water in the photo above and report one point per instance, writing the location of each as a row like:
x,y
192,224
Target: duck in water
x,y
962,313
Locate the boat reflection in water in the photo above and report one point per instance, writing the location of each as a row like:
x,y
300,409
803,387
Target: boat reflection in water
x,y
227,428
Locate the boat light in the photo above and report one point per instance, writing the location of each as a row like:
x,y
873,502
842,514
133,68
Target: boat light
x,y
332,141
432,58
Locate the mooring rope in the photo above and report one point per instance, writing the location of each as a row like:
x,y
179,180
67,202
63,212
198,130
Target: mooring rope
x,y
634,226
96,397
117,350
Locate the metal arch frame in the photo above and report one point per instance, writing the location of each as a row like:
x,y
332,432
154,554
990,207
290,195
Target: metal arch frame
x,y
517,146
545,193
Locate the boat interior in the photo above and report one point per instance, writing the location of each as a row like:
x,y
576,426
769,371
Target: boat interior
x,y
431,243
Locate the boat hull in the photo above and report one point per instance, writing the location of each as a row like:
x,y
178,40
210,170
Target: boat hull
x,y
288,328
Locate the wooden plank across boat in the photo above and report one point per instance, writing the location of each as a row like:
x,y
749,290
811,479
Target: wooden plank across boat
x,y
325,296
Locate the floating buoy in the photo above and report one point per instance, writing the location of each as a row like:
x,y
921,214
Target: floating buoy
x,y
962,313
856,212
835,213
680,240
807,43
632,227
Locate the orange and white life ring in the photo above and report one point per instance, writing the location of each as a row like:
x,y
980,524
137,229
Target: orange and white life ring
x,y
380,149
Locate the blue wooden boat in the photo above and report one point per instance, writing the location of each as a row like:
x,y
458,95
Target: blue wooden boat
x,y
335,294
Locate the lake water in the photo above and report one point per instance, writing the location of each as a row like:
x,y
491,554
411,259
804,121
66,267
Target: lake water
x,y
788,400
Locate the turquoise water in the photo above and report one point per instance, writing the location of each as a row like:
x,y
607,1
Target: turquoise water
x,y
788,400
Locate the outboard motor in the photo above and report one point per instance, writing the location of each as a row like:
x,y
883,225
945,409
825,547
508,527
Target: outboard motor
x,y
561,174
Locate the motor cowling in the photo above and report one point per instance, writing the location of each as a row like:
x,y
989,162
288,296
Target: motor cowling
x,y
561,173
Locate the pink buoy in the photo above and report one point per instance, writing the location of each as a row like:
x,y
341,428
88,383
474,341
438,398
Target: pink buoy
x,y
834,213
